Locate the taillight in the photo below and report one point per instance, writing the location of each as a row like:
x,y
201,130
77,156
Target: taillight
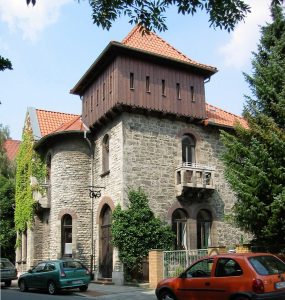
x,y
258,286
62,274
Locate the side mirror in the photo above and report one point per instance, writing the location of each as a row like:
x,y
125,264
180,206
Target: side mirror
x,y
30,271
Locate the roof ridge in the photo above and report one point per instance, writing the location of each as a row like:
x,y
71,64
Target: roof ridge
x,y
56,112
67,124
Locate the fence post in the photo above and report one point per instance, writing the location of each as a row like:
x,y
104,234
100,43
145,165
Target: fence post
x,y
155,267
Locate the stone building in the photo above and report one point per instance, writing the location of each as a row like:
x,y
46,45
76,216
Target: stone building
x,y
145,124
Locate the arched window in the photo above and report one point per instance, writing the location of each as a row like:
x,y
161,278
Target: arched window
x,y
204,223
179,221
105,154
66,235
188,149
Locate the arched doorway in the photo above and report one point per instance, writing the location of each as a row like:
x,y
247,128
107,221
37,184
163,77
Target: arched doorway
x,y
204,224
106,258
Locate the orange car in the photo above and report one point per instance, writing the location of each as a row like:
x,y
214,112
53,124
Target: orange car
x,y
244,276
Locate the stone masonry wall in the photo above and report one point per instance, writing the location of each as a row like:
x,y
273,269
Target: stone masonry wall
x,y
70,179
152,151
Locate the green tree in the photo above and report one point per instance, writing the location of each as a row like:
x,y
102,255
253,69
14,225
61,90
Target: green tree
x,y
150,13
136,230
7,201
5,64
7,227
254,157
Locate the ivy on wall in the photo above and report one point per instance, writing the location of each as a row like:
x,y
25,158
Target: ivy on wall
x,y
29,164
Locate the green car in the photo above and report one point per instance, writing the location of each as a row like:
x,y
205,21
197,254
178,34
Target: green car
x,y
55,275
8,271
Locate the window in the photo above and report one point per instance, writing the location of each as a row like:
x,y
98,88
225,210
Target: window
x,y
104,91
192,93
179,221
202,268
163,87
91,102
66,235
178,93
105,154
39,268
227,267
131,81
188,149
97,98
204,223
110,86
147,84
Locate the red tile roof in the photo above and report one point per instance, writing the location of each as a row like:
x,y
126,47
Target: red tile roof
x,y
50,121
11,147
221,117
150,42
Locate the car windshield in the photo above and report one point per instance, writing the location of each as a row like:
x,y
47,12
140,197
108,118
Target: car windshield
x,y
6,265
267,265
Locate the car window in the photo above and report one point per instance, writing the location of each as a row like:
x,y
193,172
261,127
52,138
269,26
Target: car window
x,y
267,265
6,265
202,268
72,264
227,267
50,267
39,268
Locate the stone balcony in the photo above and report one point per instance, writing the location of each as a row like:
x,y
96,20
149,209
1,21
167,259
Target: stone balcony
x,y
194,176
41,193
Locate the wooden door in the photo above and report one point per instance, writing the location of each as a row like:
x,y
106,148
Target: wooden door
x,y
106,265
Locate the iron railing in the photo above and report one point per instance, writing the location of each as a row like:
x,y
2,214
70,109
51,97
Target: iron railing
x,y
175,262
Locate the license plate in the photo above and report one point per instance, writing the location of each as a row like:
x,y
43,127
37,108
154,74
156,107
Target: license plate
x,y
77,282
280,285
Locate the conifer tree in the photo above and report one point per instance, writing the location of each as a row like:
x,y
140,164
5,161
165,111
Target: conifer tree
x,y
255,157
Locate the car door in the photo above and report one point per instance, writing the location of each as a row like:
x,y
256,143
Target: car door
x,y
33,279
194,284
229,277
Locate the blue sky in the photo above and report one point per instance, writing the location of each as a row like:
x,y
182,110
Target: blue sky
x,y
52,44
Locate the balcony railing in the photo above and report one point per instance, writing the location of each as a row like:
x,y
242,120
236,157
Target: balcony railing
x,y
41,192
194,175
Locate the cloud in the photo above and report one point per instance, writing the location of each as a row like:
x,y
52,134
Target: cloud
x,y
30,20
237,53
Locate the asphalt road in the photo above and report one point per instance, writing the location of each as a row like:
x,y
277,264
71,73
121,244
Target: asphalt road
x,y
95,291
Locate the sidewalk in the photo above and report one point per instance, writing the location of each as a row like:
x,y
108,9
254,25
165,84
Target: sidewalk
x,y
116,292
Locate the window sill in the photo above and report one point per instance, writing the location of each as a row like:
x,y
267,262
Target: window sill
x,y
105,173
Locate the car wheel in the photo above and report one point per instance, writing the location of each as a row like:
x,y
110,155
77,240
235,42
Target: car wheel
x,y
22,285
83,288
51,288
166,295
241,297
8,283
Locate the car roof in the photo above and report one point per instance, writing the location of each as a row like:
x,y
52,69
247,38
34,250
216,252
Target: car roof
x,y
245,254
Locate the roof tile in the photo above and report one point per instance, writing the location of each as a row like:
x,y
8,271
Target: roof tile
x,y
11,147
221,117
148,41
50,121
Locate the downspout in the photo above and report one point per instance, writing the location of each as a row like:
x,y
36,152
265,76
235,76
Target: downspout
x,y
89,143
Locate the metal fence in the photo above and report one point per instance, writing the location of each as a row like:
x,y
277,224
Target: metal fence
x,y
175,262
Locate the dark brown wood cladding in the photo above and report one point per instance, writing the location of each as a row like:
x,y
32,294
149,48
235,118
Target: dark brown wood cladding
x,y
113,88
